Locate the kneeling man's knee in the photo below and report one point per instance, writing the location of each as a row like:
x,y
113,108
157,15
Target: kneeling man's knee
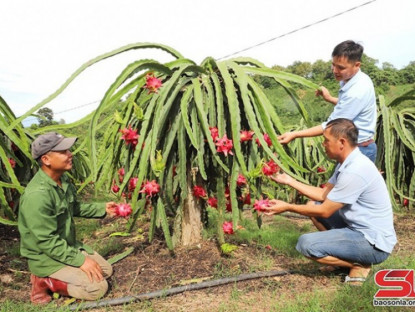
x,y
107,270
97,290
90,291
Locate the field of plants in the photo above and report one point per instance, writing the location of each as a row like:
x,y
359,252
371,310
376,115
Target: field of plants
x,y
151,268
187,149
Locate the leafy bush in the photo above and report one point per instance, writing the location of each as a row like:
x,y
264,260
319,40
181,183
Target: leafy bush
x,y
165,134
396,147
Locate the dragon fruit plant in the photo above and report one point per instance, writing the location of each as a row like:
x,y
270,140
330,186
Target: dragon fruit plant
x,y
181,125
205,134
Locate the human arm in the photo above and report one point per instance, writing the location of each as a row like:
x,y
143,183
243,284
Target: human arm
x,y
325,210
325,94
310,132
312,192
95,210
87,210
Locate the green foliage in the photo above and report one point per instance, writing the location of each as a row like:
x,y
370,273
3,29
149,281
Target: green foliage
x,y
282,236
408,73
394,127
303,69
45,117
113,246
15,163
120,256
227,249
396,147
86,227
383,76
174,127
321,71
15,142
346,297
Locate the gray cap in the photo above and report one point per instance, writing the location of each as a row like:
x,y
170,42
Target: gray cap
x,y
50,141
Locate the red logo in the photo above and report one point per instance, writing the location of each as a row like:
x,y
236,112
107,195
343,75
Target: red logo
x,y
397,283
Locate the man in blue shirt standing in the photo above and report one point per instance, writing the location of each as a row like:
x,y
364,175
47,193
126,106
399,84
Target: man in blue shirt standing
x,y
353,213
356,100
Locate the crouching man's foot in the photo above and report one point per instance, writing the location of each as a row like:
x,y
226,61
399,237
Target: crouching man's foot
x,y
357,274
42,286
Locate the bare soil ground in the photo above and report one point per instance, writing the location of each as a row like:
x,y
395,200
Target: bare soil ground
x,y
152,267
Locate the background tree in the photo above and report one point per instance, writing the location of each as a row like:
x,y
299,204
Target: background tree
x,y
321,71
408,73
303,69
45,117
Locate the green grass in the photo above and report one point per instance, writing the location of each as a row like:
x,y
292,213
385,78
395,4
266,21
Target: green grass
x,y
281,237
281,234
112,246
86,227
344,298
13,249
338,297
11,306
106,246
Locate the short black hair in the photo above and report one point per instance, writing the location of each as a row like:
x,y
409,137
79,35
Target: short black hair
x,y
342,127
353,51
39,162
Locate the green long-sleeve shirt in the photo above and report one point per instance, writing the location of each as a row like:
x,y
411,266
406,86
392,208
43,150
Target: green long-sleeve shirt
x,y
46,224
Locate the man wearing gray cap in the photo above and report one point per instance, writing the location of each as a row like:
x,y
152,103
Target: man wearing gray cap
x,y
58,262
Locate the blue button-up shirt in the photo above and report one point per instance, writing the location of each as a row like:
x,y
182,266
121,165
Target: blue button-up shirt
x,y
357,102
359,185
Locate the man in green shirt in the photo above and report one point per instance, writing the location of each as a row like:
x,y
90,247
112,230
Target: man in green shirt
x,y
57,261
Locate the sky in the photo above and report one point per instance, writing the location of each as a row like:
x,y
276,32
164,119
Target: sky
x,y
43,42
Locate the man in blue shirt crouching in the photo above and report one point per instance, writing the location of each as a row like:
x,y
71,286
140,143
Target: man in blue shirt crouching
x,y
353,212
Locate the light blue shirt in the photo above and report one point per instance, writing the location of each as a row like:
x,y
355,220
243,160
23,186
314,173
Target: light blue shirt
x,y
357,102
359,185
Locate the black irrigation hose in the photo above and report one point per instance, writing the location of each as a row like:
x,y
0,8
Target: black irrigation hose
x,y
175,290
